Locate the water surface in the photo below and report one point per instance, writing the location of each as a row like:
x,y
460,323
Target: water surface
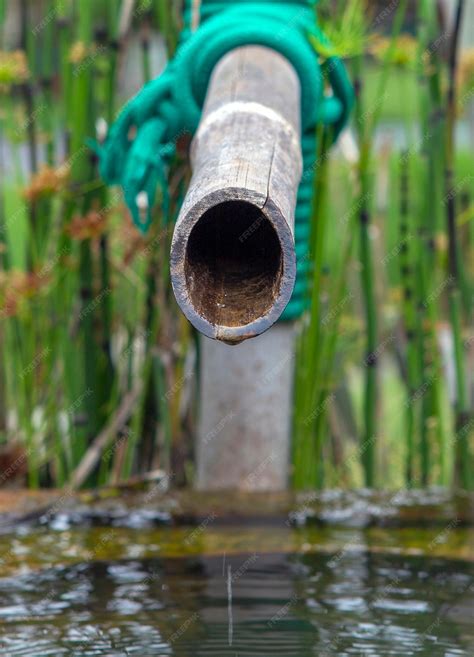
x,y
349,602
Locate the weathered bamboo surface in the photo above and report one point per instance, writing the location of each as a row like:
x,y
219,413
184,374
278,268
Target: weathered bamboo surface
x,y
232,256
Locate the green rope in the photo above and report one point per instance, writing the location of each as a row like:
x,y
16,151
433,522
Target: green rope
x,y
142,141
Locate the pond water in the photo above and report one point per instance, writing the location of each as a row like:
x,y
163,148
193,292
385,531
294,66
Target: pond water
x,y
237,591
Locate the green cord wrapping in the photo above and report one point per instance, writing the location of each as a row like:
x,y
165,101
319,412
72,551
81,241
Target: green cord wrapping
x,y
172,103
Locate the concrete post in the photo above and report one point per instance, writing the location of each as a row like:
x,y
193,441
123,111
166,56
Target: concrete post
x,y
245,412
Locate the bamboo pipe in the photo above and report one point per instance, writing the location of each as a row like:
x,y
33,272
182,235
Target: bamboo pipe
x,y
232,255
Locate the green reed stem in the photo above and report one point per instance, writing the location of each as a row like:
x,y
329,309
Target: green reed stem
x,y
463,460
367,274
307,444
406,276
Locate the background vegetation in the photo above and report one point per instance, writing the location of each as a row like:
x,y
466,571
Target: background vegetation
x,y
98,376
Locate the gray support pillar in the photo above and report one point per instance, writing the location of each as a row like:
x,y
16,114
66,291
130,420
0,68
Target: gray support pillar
x,y
245,412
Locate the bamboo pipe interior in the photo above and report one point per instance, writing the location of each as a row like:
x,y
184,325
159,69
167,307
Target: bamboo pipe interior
x,y
233,264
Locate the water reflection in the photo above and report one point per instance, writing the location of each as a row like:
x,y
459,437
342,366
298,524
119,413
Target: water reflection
x,y
346,603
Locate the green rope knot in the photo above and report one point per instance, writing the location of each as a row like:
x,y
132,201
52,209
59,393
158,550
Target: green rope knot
x,y
142,141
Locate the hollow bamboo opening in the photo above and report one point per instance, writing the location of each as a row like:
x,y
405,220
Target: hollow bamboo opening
x,y
233,264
